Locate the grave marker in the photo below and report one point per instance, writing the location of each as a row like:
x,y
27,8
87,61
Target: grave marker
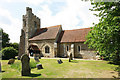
x,y
11,61
25,65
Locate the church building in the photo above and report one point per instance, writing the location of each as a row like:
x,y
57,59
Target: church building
x,y
52,41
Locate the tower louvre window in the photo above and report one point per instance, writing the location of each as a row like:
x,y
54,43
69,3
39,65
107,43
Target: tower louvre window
x,y
24,22
35,24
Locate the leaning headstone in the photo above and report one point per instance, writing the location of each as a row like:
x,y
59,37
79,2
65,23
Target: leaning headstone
x,y
25,65
39,66
58,62
36,59
71,56
69,59
11,61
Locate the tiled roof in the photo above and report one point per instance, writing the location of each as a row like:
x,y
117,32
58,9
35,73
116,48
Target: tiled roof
x,y
78,35
34,47
46,33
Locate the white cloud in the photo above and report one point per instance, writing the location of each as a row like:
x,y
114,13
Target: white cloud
x,y
34,2
70,16
12,29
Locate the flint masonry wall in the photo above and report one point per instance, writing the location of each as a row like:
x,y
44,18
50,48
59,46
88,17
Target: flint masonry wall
x,y
41,45
30,24
84,52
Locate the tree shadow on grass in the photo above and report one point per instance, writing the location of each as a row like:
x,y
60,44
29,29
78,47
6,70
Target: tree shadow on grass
x,y
74,61
34,75
117,69
3,71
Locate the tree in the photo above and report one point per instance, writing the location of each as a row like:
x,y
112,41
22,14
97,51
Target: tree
x,y
9,52
14,45
5,39
105,36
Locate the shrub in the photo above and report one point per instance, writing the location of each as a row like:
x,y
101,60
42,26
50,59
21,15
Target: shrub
x,y
8,52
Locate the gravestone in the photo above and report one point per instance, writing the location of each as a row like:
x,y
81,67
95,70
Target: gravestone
x,y
60,60
36,59
11,61
25,65
69,59
39,66
71,56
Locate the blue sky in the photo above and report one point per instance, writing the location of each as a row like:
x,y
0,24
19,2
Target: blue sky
x,y
71,14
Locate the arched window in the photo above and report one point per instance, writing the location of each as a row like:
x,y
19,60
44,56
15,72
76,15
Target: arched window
x,y
47,49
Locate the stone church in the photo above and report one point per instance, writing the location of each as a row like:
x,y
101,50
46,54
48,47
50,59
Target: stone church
x,y
52,41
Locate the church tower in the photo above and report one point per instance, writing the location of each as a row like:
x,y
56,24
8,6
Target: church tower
x,y
30,24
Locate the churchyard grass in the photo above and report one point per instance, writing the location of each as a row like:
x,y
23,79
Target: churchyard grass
x,y
74,69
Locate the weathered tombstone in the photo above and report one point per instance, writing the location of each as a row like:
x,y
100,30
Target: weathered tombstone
x,y
25,65
11,61
58,62
36,59
69,59
71,56
39,66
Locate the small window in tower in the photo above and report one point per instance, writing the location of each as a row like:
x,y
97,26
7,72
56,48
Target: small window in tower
x,y
24,22
67,48
35,24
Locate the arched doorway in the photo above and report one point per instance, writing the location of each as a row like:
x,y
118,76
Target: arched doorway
x,y
34,51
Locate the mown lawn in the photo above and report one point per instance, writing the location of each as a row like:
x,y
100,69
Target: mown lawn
x,y
74,69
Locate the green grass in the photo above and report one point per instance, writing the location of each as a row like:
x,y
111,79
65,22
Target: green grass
x,y
74,69
33,64
16,66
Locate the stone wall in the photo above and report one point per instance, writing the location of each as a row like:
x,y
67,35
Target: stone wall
x,y
84,52
63,49
22,43
41,45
